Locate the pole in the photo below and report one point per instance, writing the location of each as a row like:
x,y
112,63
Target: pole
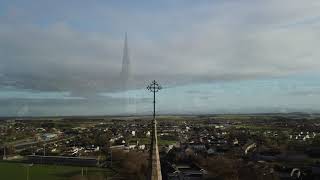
x,y
4,153
111,157
27,172
44,149
154,104
154,87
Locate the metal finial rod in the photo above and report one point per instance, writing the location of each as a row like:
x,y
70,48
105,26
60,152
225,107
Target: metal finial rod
x,y
154,87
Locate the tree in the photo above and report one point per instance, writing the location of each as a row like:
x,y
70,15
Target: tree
x,y
103,141
134,165
10,149
226,168
316,141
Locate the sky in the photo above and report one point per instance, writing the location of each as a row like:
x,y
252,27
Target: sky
x,y
210,56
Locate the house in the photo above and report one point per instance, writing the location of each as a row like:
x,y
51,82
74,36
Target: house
x,y
49,136
186,171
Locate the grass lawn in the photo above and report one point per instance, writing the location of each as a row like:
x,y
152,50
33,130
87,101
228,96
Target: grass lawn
x,y
17,171
143,140
162,142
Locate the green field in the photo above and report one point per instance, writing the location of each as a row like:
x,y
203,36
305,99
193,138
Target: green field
x,y
162,142
19,171
143,140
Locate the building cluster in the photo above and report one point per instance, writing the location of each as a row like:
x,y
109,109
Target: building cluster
x,y
273,146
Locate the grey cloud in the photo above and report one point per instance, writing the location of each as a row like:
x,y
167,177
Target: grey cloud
x,y
57,59
89,106
306,92
211,45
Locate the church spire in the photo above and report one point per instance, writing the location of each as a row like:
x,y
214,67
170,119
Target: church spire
x,y
125,72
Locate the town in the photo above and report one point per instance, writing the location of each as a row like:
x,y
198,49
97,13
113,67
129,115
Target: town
x,y
221,146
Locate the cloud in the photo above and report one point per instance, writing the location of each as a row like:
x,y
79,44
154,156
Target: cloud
x,y
229,40
57,59
89,106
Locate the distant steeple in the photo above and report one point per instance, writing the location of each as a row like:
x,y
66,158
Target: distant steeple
x,y
125,72
129,103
